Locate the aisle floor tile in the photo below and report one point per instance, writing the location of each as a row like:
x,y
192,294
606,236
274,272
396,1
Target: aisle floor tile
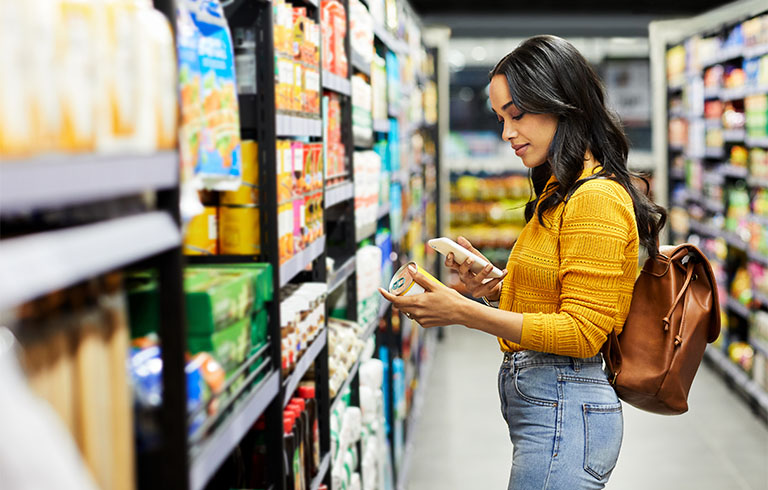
x,y
462,443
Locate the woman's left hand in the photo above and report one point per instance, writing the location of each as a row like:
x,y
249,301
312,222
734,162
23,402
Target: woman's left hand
x,y
436,307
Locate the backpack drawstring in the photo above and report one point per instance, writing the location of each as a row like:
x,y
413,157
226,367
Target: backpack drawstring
x,y
683,290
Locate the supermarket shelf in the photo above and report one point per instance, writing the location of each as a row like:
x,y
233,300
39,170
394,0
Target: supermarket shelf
x,y
738,308
756,395
392,43
342,274
325,464
676,148
713,205
760,142
733,240
736,93
334,82
37,264
734,135
677,173
298,126
714,152
360,64
757,257
711,92
761,298
381,125
734,171
205,461
300,261
64,180
365,231
755,51
704,229
757,181
713,123
383,211
369,329
303,365
759,346
339,193
729,53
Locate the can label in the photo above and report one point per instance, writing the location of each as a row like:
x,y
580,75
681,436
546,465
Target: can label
x,y
239,230
402,284
201,236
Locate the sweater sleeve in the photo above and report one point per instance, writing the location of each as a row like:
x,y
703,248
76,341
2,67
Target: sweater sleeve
x,y
596,229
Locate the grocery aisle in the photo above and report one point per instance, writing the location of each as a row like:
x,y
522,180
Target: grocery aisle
x,y
461,440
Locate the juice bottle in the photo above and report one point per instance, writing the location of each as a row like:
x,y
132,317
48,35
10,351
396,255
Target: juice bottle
x,y
307,392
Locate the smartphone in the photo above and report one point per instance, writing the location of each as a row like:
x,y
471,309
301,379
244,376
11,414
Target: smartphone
x,y
460,254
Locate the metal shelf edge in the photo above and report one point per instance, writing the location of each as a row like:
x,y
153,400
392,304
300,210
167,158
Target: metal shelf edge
x,y
342,273
306,360
299,262
730,370
55,180
325,464
338,194
213,452
36,264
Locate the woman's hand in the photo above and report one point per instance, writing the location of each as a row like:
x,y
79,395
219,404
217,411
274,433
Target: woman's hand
x,y
478,285
436,307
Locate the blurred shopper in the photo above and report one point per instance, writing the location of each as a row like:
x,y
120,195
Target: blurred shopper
x,y
569,279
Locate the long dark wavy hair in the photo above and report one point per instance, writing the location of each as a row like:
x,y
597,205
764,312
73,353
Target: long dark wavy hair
x,y
548,75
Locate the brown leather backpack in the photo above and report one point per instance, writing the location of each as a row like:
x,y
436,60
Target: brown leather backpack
x,y
674,314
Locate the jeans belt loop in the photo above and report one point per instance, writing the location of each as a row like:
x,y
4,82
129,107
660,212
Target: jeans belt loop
x,y
576,364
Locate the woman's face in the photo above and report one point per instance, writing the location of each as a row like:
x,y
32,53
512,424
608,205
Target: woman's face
x,y
529,134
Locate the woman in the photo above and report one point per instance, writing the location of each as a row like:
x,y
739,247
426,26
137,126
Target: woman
x,y
569,279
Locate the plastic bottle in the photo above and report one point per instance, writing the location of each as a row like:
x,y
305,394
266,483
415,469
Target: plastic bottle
x,y
307,392
306,447
299,459
289,443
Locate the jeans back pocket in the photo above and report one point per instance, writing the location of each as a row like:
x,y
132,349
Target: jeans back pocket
x,y
604,429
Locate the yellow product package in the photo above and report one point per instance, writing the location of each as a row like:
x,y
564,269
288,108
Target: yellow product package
x,y
248,192
239,229
201,237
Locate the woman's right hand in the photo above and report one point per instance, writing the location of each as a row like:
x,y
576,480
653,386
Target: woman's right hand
x,y
477,284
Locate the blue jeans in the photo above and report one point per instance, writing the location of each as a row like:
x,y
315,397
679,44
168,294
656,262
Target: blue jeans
x,y
564,418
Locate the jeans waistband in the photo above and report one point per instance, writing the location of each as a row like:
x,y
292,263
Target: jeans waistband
x,y
533,358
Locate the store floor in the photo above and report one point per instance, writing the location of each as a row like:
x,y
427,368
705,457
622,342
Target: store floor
x,y
461,441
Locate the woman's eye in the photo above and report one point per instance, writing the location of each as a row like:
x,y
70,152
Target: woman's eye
x,y
518,117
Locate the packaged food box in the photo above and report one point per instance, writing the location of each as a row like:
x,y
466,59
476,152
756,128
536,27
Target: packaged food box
x,y
261,277
229,346
215,299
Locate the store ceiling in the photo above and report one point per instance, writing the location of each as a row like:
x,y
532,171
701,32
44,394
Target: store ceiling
x,y
585,18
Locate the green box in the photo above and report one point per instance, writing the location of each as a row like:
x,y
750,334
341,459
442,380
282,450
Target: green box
x,y
259,327
230,346
263,285
215,299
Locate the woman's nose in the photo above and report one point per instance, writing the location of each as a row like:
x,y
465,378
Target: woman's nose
x,y
509,132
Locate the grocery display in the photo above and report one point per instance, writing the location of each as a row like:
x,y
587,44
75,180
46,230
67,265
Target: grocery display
x,y
219,222
717,128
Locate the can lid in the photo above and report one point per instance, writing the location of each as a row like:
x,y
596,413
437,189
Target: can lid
x,y
307,391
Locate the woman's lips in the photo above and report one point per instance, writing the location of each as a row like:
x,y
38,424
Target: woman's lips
x,y
520,149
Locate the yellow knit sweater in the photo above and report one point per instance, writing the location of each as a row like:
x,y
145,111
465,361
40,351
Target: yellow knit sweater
x,y
573,279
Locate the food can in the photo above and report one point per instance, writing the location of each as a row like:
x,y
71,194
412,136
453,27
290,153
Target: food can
x,y
402,284
248,192
239,228
202,233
